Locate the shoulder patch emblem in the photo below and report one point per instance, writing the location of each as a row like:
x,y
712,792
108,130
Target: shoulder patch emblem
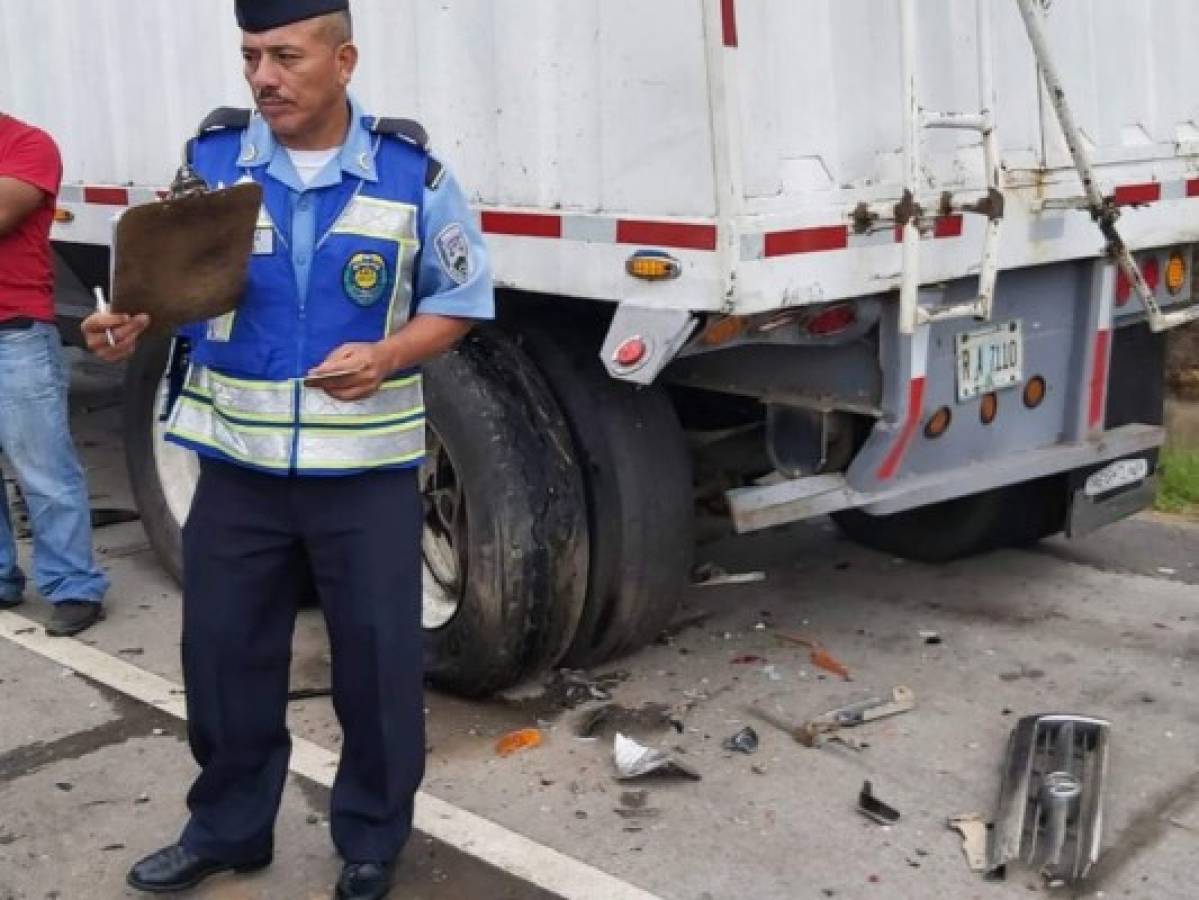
x,y
453,250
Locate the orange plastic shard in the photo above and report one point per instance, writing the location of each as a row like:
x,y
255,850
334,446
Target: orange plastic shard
x,y
822,659
515,741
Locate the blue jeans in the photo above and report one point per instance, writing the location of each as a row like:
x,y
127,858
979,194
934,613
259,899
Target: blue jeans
x,y
35,441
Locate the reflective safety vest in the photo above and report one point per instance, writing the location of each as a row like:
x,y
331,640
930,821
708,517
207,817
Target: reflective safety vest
x,y
244,399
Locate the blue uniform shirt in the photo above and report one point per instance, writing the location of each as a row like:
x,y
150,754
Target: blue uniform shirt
x,y
439,290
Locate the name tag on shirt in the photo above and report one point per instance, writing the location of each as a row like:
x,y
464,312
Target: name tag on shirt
x,y
264,241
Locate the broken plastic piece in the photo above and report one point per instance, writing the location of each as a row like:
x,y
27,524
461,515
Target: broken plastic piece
x,y
516,741
822,659
744,741
973,830
873,808
634,760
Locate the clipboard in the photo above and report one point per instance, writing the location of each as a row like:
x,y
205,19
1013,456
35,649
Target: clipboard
x,y
184,259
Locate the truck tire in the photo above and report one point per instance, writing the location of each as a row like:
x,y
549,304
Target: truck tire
x,y
640,504
525,556
506,520
1012,516
162,476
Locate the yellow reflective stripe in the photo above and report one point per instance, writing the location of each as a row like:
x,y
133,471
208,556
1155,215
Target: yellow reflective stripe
x,y
352,434
399,310
373,217
271,402
326,449
393,400
368,464
196,421
282,387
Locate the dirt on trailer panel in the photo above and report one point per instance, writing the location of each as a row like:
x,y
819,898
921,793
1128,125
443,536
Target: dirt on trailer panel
x,y
1103,627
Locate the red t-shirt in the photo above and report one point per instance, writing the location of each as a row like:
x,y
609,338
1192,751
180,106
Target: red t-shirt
x,y
26,269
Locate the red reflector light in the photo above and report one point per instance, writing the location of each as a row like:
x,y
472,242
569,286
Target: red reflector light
x,y
1152,272
630,353
833,320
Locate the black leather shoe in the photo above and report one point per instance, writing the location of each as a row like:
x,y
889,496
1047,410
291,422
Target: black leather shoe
x,y
73,616
365,881
175,868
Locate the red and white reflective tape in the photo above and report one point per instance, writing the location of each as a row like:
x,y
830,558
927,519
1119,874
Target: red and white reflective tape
x,y
108,195
601,230
822,239
728,22
1100,364
1154,191
915,406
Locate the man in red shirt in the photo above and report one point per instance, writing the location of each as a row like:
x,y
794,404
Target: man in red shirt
x,y
35,440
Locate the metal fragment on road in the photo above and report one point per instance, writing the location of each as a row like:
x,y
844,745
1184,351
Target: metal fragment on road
x,y
744,741
1050,814
815,731
873,808
709,575
973,830
634,760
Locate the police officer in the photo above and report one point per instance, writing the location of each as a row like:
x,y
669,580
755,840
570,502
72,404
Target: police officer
x,y
305,408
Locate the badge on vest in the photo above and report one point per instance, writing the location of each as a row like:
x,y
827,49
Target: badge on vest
x,y
365,278
453,251
264,241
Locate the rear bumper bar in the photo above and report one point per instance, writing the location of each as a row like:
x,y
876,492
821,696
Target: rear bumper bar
x,y
766,506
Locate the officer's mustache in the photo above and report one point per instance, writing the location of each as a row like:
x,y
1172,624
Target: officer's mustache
x,y
267,96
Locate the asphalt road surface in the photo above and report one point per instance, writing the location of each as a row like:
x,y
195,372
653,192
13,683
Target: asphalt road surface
x,y
92,775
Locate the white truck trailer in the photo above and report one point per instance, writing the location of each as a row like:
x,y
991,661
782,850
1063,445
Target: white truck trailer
x,y
905,262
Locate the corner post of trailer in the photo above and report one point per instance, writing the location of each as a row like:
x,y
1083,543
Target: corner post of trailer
x,y
909,290
722,40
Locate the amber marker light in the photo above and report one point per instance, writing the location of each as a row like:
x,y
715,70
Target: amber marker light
x,y
1176,273
650,265
989,408
723,330
938,423
1034,392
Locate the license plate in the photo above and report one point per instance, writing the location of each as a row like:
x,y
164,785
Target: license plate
x,y
1121,473
989,360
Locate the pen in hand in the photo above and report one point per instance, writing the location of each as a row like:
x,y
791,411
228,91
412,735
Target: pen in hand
x,y
102,307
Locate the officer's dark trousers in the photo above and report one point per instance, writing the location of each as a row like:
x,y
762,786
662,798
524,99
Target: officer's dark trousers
x,y
252,547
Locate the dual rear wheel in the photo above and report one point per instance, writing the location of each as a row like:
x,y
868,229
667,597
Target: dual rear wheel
x,y
557,506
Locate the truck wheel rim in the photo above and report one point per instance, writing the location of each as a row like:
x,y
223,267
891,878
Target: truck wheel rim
x,y
178,469
443,541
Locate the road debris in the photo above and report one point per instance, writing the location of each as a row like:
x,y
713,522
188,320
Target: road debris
x,y
746,659
931,637
744,741
709,575
1050,809
516,741
610,718
634,760
826,726
873,808
822,659
819,655
973,830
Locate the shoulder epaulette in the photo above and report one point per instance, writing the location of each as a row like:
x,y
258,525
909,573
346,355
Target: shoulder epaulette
x,y
225,117
414,133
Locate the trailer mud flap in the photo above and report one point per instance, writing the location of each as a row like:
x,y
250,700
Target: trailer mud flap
x,y
1088,514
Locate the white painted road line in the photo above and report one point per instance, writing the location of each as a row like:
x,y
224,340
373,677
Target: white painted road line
x,y
471,834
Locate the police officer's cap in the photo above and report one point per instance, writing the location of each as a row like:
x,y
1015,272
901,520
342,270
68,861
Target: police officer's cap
x,y
263,15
